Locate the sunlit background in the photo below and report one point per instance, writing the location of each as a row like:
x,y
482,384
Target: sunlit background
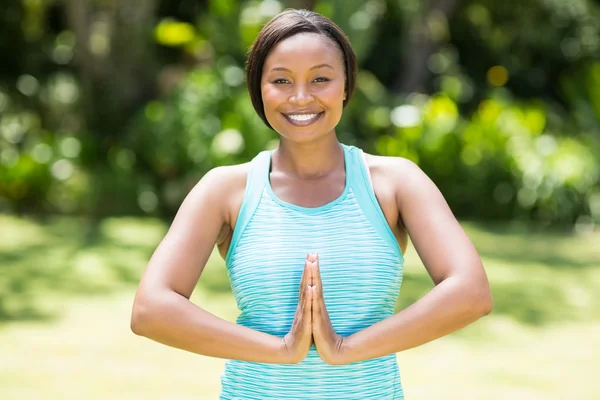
x,y
110,111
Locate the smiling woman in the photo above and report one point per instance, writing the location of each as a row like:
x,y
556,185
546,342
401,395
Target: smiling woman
x,y
313,234
297,92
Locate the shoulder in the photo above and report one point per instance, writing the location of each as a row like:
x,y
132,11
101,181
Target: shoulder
x,y
228,176
402,174
394,167
221,187
224,178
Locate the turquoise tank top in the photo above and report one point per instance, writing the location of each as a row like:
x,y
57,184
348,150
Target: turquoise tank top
x,y
361,269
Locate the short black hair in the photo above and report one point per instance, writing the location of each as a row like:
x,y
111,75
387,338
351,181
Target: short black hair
x,y
284,25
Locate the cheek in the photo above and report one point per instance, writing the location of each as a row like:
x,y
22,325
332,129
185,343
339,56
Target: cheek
x,y
333,94
270,97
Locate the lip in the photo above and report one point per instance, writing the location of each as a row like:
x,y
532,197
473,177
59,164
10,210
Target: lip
x,y
303,123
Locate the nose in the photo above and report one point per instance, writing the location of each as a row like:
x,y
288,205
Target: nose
x,y
301,96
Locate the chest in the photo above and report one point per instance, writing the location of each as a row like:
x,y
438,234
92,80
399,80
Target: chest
x,y
308,193
356,265
318,193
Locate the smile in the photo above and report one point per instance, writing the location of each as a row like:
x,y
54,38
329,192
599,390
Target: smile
x,y
302,119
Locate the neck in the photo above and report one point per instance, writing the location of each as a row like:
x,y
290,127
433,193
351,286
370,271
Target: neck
x,y
310,160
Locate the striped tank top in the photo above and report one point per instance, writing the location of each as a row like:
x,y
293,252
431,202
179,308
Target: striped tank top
x,y
361,270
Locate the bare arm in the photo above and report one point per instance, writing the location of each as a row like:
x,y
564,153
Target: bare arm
x,y
162,310
461,294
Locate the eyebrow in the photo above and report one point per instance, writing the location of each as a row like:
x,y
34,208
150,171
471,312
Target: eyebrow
x,y
311,68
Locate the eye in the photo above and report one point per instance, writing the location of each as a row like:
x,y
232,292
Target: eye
x,y
280,81
321,79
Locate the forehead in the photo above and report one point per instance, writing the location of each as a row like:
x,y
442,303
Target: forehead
x,y
304,50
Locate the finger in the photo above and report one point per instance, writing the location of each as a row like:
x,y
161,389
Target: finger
x,y
309,260
317,291
316,271
319,300
315,305
309,298
311,280
306,273
305,280
308,309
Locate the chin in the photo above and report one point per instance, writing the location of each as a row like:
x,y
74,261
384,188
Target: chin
x,y
305,134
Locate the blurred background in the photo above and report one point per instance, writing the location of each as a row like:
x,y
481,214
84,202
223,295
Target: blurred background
x,y
110,112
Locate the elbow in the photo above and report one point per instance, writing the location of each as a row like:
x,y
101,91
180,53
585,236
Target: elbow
x,y
139,318
136,323
476,298
483,303
149,311
486,307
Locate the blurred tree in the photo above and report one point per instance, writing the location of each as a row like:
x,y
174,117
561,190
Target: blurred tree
x,y
119,107
116,67
427,29
114,60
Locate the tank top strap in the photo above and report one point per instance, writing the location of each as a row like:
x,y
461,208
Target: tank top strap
x,y
255,185
359,180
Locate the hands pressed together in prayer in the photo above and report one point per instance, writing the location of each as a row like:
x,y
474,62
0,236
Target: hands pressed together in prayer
x,y
311,322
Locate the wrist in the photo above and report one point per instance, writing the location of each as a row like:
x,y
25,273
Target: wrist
x,y
334,351
286,353
344,351
283,354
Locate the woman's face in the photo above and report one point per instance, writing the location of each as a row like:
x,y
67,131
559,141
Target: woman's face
x,y
303,87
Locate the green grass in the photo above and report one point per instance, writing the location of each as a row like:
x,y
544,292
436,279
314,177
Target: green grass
x,y
66,290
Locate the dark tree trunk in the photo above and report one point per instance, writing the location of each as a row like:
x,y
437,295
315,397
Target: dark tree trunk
x,y
115,63
114,59
421,45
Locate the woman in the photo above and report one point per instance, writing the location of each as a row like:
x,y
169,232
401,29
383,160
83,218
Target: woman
x,y
313,235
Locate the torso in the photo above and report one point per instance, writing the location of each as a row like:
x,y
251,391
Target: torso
x,y
321,192
341,219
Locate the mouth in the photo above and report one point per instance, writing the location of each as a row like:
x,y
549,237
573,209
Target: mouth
x,y
303,119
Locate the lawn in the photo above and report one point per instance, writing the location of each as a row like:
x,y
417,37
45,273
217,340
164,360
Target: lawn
x,y
66,291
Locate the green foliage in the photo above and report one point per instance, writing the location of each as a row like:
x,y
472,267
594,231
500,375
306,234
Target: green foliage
x,y
207,122
501,163
505,119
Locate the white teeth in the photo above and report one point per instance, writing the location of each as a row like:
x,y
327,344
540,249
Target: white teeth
x,y
302,117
